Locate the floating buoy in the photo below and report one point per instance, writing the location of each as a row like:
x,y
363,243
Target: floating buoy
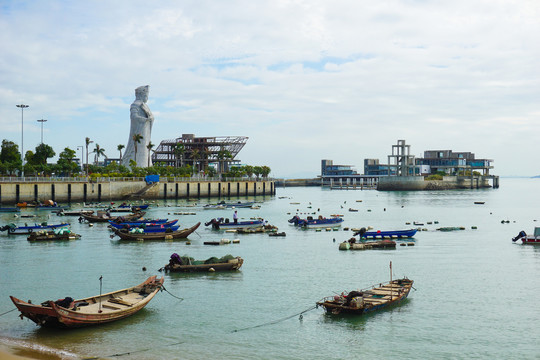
x,y
144,268
188,242
90,224
236,241
211,270
474,227
402,244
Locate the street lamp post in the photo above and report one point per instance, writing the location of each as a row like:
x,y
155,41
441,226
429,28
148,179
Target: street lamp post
x,y
82,156
41,121
22,107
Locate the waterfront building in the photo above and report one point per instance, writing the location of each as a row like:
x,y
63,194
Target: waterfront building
x,y
200,152
373,167
453,163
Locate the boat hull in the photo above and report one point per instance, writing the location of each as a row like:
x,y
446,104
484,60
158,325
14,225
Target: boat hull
x,y
530,240
93,310
231,265
400,234
374,299
26,230
179,234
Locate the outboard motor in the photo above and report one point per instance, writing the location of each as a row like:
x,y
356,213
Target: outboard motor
x,y
294,220
361,232
519,236
214,223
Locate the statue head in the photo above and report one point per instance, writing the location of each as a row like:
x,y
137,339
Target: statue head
x,y
141,93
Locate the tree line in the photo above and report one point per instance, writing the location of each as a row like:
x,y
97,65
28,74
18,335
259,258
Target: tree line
x,y
36,164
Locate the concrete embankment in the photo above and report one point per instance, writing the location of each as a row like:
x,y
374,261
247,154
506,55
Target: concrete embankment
x,y
12,192
408,183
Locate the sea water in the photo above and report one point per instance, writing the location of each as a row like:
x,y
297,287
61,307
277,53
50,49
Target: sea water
x,y
476,292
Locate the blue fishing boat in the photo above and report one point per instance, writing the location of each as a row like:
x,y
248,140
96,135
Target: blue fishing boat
x,y
9,209
128,225
13,229
320,222
133,207
137,222
400,234
150,229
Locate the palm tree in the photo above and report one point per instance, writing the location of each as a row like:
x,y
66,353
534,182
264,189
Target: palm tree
x,y
120,147
136,140
194,157
207,153
179,150
99,151
88,142
222,156
149,147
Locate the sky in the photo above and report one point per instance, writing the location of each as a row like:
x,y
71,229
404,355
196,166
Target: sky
x,y
304,80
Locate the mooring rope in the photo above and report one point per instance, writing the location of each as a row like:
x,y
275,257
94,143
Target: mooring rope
x,y
130,352
174,296
7,312
277,321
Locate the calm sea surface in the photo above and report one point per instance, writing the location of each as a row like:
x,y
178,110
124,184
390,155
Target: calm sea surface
x,y
476,291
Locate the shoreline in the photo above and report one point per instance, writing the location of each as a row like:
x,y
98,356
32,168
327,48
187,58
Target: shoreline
x,y
15,349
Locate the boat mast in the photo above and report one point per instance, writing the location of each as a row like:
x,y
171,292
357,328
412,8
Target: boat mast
x,y
391,286
100,278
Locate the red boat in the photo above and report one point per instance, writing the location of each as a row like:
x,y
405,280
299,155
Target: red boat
x,y
69,313
529,239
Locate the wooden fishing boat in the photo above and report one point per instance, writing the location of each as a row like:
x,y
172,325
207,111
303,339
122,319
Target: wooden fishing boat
x,y
103,216
375,298
223,204
53,235
179,234
221,224
533,239
99,309
63,212
177,265
367,245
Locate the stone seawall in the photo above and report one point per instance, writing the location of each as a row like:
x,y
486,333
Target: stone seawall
x,y
68,191
411,183
298,182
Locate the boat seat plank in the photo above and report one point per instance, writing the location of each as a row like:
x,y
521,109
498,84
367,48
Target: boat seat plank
x,y
120,301
110,307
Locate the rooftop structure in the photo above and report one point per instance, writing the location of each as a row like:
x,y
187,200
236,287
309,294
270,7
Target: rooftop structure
x,y
401,162
200,152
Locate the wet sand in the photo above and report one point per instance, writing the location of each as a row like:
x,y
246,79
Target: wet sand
x,y
11,349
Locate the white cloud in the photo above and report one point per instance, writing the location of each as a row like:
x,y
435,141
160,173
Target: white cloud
x,y
341,80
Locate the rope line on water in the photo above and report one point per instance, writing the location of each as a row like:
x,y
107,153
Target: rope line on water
x,y
277,321
174,296
7,312
130,352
